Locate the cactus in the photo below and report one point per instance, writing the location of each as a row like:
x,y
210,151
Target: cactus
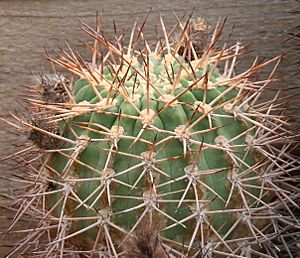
x,y
154,152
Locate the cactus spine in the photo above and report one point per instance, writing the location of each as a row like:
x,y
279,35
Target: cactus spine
x,y
153,152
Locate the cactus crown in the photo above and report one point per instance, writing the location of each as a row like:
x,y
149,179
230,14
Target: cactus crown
x,y
153,152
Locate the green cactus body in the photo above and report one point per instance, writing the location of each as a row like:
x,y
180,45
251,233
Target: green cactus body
x,y
165,157
161,155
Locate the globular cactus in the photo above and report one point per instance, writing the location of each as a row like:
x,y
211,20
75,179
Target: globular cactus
x,y
154,152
